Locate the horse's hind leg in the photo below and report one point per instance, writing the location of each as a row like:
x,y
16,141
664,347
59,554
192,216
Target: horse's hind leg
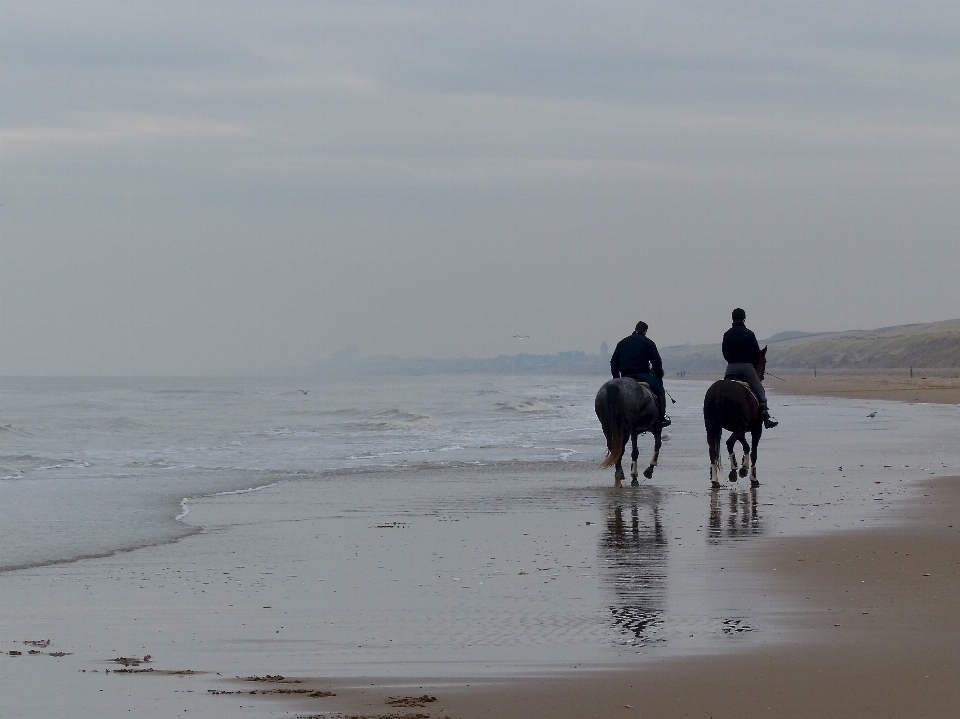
x,y
713,444
731,443
634,455
745,466
754,441
648,472
619,476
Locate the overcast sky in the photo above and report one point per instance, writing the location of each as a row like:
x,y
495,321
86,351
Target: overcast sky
x,y
205,187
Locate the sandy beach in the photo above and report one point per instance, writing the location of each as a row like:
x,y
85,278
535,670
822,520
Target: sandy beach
x,y
529,589
880,635
879,632
939,387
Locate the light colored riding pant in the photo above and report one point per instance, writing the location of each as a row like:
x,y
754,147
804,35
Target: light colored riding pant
x,y
747,371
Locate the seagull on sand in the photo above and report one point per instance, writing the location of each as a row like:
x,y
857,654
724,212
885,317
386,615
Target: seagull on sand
x,y
872,415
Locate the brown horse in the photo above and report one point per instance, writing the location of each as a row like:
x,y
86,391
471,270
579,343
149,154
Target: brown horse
x,y
730,405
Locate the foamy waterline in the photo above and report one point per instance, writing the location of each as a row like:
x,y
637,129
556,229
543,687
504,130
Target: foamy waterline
x,y
185,502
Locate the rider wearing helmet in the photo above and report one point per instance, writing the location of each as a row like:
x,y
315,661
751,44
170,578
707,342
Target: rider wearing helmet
x,y
637,356
742,352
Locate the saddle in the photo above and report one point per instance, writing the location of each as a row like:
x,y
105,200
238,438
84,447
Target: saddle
x,y
643,384
733,378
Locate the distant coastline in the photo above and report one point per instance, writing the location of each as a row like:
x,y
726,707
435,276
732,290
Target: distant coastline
x,y
349,362
934,345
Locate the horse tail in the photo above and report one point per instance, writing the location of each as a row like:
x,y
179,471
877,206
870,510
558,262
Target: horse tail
x,y
713,423
616,422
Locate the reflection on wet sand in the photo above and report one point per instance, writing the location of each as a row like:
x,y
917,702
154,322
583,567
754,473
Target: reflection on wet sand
x,y
635,552
742,520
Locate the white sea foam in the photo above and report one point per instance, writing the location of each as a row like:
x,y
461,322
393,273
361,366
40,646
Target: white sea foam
x,y
185,502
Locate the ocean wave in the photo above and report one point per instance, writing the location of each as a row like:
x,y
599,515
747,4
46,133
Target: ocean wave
x,y
395,453
185,502
22,458
160,462
529,405
391,419
65,463
123,423
289,432
10,429
17,466
338,412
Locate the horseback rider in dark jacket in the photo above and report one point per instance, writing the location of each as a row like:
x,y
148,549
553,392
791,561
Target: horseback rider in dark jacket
x,y
742,352
637,356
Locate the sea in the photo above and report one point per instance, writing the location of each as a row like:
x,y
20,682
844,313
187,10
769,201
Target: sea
x,y
438,524
93,466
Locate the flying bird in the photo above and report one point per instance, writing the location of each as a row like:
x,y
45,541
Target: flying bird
x,y
522,337
305,391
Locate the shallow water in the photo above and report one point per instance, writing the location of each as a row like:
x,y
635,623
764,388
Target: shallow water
x,y
91,466
434,526
537,562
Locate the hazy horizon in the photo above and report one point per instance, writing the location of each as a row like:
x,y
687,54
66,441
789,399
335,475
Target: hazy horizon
x,y
205,188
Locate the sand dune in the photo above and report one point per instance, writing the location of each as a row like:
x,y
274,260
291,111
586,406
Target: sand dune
x,y
932,345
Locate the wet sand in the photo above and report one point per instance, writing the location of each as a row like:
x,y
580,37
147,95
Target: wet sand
x,y
281,579
938,389
879,636
875,609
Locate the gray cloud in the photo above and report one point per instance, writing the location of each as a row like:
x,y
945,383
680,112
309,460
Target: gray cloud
x,y
204,187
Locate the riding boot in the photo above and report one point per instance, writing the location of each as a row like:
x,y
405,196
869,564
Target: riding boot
x,y
768,421
662,399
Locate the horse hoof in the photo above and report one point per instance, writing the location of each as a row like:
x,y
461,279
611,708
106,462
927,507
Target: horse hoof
x,y
732,476
754,483
634,475
743,471
715,485
648,473
634,483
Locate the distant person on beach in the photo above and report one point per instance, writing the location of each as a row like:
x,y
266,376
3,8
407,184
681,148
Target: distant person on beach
x,y
742,352
637,356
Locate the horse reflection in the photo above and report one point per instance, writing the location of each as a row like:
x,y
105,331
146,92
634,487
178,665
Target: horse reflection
x,y
635,552
742,519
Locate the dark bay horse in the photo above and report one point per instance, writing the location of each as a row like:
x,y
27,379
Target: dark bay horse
x,y
731,406
626,409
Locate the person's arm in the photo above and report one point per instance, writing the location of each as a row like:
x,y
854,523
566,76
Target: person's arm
x,y
655,362
725,348
615,362
754,349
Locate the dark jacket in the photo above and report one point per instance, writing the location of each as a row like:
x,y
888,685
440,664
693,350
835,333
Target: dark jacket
x,y
740,345
636,355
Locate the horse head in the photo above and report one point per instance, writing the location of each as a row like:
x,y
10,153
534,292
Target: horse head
x,y
761,364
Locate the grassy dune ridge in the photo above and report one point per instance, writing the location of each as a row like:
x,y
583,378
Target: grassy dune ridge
x,y
935,345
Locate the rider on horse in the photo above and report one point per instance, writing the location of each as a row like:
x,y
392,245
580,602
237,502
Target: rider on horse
x,y
742,352
637,356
